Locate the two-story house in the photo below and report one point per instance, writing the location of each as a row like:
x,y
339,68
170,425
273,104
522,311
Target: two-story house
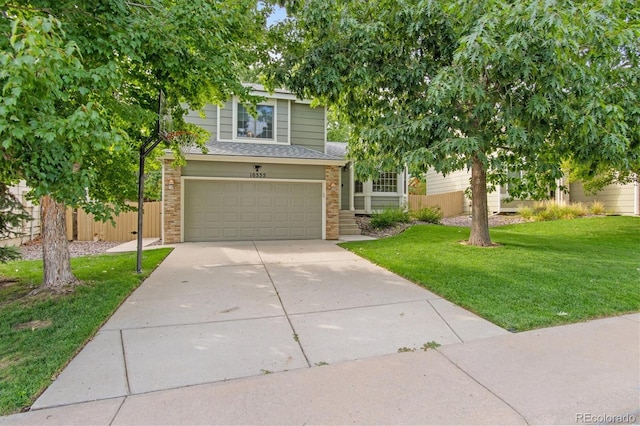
x,y
268,177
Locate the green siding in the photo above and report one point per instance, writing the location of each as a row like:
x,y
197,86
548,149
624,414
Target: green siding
x,y
378,202
209,122
307,126
226,122
282,121
244,170
345,180
358,202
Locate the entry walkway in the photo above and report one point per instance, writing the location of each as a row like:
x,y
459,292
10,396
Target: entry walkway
x,y
306,332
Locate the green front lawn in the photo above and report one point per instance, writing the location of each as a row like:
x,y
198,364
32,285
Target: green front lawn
x,y
40,334
542,274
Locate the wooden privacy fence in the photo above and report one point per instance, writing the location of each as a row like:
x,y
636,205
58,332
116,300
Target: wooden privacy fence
x,y
125,224
451,203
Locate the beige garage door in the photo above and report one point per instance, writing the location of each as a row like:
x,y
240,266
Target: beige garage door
x,y
227,210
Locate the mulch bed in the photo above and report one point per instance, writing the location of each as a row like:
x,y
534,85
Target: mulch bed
x,y
33,249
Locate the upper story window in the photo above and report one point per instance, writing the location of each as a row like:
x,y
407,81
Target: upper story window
x,y
261,126
386,182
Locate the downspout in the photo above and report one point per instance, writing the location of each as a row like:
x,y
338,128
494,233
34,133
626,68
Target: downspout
x,y
340,186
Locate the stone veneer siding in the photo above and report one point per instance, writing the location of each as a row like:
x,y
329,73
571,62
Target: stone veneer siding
x,y
332,178
171,202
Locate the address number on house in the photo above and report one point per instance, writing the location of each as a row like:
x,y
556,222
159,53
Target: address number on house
x,y
257,175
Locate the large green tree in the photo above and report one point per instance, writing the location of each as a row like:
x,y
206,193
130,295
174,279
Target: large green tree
x,y
488,86
80,84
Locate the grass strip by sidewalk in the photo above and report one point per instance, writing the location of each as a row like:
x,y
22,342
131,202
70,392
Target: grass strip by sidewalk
x,y
542,274
40,334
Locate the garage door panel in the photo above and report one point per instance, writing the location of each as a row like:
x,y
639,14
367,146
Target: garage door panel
x,y
298,232
210,217
282,233
223,210
209,233
265,233
265,217
230,233
313,217
247,232
229,217
248,203
263,201
300,217
245,217
245,187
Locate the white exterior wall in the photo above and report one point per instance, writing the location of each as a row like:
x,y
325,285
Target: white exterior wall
x,y
456,181
620,199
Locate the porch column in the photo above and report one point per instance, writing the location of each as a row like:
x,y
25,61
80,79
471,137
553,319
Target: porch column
x,y
332,202
171,203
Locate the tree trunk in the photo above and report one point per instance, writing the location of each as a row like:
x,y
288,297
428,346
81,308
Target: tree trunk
x,y
55,249
479,208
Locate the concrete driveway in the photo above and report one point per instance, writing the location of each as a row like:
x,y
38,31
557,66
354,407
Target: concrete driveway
x,y
212,312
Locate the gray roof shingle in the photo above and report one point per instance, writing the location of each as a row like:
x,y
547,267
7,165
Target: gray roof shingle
x,y
243,149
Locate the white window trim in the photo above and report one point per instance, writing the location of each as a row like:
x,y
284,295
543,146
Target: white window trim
x,y
398,190
234,119
367,187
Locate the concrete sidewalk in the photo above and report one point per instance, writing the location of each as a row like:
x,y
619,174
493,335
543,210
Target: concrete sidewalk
x,y
306,332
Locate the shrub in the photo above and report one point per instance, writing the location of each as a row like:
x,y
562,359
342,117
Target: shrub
x,y
389,217
597,207
549,210
526,213
429,214
574,210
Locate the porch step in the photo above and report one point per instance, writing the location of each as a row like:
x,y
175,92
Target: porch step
x,y
348,224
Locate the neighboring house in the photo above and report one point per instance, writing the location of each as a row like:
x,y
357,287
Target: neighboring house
x,y
620,199
29,229
388,190
263,178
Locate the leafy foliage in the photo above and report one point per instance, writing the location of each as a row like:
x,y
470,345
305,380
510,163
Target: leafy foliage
x,y
12,215
428,214
337,130
389,217
80,85
596,176
487,86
